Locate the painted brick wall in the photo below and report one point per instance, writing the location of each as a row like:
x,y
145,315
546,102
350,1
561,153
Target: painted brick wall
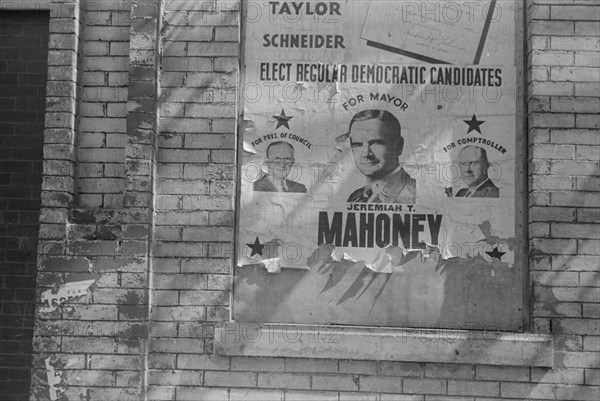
x,y
186,221
23,68
102,105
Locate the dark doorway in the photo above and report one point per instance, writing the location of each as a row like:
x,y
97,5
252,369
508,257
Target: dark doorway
x,y
23,71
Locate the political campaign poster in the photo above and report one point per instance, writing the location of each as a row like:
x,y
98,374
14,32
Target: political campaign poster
x,y
377,180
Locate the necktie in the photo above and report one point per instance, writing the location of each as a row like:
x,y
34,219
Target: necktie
x,y
366,195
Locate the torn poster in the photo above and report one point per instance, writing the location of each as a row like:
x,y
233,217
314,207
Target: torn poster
x,y
54,297
380,145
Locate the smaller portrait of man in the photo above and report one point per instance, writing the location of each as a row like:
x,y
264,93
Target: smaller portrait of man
x,y
280,160
474,167
377,143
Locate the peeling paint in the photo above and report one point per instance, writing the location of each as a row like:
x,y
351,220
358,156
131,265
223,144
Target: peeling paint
x,y
129,306
54,297
54,379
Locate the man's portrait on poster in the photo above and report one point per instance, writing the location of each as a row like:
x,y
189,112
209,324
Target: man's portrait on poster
x,y
279,162
474,165
377,143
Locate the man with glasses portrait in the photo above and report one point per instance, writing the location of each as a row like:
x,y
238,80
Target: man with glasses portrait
x,y
474,166
280,160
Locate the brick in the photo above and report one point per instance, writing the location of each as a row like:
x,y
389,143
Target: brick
x,y
91,312
311,365
284,380
424,386
555,309
201,393
212,48
346,396
188,33
227,34
178,345
106,34
181,313
577,359
381,384
230,379
588,153
206,265
592,343
454,371
335,382
402,397
255,395
175,377
473,388
583,137
542,375
161,361
585,28
502,373
179,187
576,294
187,218
574,198
587,121
526,390
226,64
553,28
564,246
184,125
406,369
116,362
588,247
589,280
208,234
360,367
179,249
552,88
311,395
179,281
566,230
575,104
156,393
572,12
574,74
592,377
552,58
578,326
587,59
551,214
257,364
587,89
203,362
552,120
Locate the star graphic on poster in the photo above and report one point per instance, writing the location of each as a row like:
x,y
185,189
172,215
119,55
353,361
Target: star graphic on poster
x,y
282,120
474,124
496,254
257,247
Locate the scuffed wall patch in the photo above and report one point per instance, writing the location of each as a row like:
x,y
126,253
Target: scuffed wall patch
x,y
54,297
54,379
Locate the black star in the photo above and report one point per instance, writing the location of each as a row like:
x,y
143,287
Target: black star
x,y
257,248
474,124
496,254
282,120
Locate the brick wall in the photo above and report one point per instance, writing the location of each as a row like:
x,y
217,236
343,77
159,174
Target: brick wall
x,y
23,68
169,243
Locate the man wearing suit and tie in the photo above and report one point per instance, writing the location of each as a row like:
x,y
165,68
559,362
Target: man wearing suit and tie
x,y
377,144
474,166
280,159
